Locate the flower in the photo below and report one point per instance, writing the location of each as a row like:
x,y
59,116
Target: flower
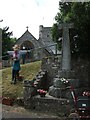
x,y
41,91
62,79
86,93
65,81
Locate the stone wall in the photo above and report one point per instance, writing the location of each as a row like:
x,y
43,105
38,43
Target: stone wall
x,y
51,64
6,63
49,104
58,98
32,100
80,69
78,76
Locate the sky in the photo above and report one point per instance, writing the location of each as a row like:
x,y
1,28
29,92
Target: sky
x,y
18,14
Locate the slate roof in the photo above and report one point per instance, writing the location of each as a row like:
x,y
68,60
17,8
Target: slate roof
x,y
27,36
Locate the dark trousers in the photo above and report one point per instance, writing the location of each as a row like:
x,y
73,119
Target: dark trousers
x,y
15,74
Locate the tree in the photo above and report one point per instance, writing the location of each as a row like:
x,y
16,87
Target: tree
x,y
56,35
78,13
81,17
7,41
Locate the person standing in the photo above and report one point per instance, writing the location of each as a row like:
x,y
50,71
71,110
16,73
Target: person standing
x,y
16,64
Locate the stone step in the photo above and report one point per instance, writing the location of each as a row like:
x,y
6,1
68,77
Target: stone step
x,y
47,103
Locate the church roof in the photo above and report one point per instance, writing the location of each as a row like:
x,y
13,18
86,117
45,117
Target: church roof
x,y
27,36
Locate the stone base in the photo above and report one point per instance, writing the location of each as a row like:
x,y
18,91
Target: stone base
x,y
57,92
48,104
66,74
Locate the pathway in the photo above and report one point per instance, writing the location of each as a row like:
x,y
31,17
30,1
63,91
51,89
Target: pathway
x,y
19,112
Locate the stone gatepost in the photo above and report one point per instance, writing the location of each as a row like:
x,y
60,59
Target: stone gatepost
x,y
28,90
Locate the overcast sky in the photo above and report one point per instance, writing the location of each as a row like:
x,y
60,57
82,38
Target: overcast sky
x,y
17,14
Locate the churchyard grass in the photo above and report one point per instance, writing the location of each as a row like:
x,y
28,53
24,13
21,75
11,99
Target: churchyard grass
x,y
28,71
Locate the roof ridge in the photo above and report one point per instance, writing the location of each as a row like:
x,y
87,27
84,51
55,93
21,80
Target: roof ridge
x,y
27,31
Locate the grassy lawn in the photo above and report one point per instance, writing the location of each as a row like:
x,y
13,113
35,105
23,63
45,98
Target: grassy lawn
x,y
28,71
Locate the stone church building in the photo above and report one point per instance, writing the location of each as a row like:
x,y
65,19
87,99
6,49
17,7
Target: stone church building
x,y
40,48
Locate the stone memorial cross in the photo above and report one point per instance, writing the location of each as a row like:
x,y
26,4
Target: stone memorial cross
x,y
66,55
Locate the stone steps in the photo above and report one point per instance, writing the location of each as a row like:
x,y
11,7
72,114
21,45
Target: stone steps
x,y
48,104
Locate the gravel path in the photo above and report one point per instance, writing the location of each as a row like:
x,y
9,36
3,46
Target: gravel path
x,y
20,112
